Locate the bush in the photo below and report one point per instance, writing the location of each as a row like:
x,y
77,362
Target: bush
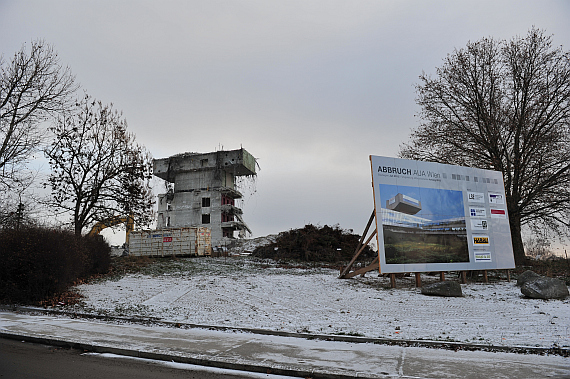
x,y
314,244
98,255
38,263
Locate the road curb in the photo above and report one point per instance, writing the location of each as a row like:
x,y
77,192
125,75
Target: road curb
x,y
179,359
447,345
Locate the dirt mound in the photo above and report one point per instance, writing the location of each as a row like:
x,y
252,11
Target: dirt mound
x,y
247,246
314,244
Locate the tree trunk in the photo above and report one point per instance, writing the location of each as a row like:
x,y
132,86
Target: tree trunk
x,y
77,225
516,238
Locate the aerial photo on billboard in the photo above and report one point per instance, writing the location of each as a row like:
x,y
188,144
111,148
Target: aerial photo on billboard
x,y
436,217
430,230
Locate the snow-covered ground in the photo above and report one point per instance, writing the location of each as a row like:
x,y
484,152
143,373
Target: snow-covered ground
x,y
242,292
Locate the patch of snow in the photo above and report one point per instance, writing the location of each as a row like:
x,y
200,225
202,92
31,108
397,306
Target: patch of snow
x,y
277,352
236,292
247,246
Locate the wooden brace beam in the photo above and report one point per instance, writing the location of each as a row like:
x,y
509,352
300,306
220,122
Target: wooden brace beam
x,y
360,246
372,266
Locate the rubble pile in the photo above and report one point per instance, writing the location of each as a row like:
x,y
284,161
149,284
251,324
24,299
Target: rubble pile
x,y
314,244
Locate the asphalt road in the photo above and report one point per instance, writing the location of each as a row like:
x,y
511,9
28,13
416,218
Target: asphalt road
x,y
24,360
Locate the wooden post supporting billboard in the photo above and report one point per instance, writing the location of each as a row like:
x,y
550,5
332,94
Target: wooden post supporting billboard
x,y
345,273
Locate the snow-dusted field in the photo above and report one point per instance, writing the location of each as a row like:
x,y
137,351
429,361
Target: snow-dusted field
x,y
240,292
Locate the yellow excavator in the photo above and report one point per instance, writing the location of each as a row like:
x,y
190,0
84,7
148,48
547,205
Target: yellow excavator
x,y
112,221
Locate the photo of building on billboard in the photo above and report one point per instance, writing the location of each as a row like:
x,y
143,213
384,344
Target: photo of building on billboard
x,y
423,225
437,217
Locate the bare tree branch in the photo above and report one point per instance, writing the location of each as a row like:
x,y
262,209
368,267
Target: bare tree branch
x,y
33,88
504,105
98,170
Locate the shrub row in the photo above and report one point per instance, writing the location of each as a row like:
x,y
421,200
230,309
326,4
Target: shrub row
x,y
37,263
314,244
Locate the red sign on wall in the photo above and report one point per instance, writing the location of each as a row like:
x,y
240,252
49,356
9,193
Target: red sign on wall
x,y
166,239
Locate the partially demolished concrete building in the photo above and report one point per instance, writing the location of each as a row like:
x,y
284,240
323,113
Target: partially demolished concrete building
x,y
204,192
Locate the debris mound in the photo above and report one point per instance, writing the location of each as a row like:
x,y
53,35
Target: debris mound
x,y
247,246
314,244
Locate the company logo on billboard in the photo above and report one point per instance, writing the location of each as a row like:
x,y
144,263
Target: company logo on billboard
x,y
498,213
477,212
496,198
481,240
482,256
479,225
476,197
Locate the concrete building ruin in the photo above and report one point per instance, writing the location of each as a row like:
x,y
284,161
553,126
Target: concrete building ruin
x,y
204,192
404,204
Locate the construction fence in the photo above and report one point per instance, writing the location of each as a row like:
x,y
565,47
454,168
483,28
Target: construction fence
x,y
190,241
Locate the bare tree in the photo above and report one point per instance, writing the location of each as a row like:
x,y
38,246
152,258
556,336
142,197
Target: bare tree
x,y
98,170
505,106
18,207
33,88
538,246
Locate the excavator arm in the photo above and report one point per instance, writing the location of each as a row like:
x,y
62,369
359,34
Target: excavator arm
x,y
112,221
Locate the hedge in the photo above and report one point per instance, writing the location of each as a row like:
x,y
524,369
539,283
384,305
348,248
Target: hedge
x,y
37,263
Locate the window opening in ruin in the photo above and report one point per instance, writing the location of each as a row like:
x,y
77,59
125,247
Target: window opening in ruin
x,y
227,200
205,219
205,202
203,162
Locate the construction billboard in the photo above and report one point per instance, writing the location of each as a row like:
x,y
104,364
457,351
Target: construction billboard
x,y
437,217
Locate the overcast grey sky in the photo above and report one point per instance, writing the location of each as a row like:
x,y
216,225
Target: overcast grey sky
x,y
310,88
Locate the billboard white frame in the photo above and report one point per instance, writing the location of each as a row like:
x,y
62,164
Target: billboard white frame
x,y
415,200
